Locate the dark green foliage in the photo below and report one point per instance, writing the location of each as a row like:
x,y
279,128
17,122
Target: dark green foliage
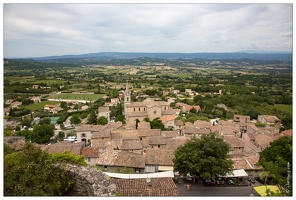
x,y
275,158
120,118
26,133
75,119
68,157
92,118
8,149
42,133
205,158
63,104
45,120
26,122
62,118
102,120
157,124
30,172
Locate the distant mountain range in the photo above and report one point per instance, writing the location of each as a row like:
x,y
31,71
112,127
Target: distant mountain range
x,y
285,56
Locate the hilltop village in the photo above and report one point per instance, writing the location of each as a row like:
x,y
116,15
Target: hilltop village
x,y
136,147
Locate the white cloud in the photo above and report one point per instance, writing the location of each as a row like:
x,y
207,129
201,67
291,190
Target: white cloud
x,y
58,29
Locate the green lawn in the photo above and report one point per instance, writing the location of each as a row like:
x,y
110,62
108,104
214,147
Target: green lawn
x,y
88,97
284,108
38,106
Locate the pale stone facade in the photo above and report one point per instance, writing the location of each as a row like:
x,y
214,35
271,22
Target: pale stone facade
x,y
139,110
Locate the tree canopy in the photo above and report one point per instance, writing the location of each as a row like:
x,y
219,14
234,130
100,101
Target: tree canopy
x,y
92,118
102,120
30,172
206,157
276,160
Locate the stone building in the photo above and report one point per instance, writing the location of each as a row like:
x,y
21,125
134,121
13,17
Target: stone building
x,y
140,110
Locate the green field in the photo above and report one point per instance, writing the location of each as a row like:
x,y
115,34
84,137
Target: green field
x,y
284,108
38,106
88,97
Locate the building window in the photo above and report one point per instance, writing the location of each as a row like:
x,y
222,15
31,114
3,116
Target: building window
x,y
88,159
83,135
134,109
139,109
144,109
158,146
105,167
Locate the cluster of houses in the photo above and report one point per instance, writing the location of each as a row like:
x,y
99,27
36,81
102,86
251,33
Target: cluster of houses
x,y
115,147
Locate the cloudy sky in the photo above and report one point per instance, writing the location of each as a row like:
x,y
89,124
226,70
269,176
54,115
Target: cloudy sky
x,y
36,30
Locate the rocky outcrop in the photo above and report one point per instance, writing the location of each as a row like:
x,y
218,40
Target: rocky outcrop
x,y
88,181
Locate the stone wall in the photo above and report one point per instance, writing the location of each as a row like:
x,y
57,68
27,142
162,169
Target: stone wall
x,y
88,181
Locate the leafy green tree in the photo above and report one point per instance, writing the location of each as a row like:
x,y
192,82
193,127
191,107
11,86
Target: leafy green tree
x,y
120,118
42,133
8,149
30,172
92,118
45,120
205,158
193,110
26,121
75,119
68,157
26,133
157,124
276,161
11,113
63,104
61,135
102,120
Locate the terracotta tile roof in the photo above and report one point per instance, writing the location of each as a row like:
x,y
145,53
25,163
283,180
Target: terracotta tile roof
x,y
271,118
121,159
215,129
179,122
250,145
246,161
145,144
113,125
252,160
263,140
169,112
173,143
104,144
89,127
202,124
159,157
103,109
131,144
64,146
115,135
288,132
167,118
190,130
144,124
90,152
140,187
155,140
228,130
169,134
234,142
148,132
101,134
252,127
129,133
136,104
